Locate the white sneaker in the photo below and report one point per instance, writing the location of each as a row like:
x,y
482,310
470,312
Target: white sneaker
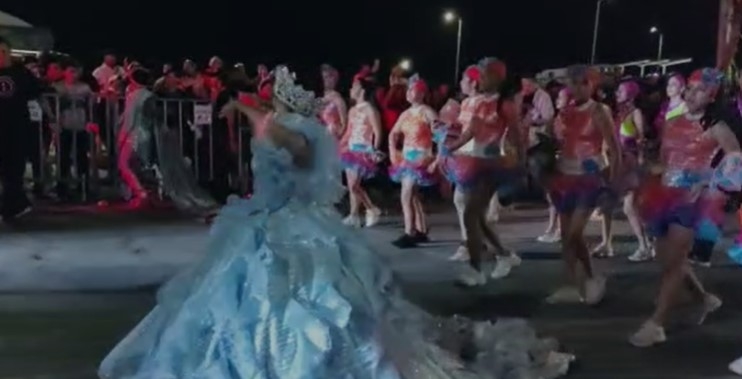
x,y
504,265
461,255
642,255
711,304
595,290
352,221
648,335
549,238
470,277
372,217
736,366
565,295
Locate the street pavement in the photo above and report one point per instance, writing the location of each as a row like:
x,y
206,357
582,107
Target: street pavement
x,y
63,335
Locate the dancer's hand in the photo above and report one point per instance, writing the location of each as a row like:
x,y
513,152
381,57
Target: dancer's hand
x,y
228,109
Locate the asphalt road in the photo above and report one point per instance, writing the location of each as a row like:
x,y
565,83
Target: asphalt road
x,y
65,335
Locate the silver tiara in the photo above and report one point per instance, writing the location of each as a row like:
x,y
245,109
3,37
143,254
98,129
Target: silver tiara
x,y
294,95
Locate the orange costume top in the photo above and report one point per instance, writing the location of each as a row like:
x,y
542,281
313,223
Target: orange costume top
x,y
359,135
581,141
415,126
687,152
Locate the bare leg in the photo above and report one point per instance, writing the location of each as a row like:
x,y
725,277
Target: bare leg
x,y
353,186
421,222
472,222
493,208
407,199
592,287
553,226
632,215
460,199
126,151
672,253
365,199
605,248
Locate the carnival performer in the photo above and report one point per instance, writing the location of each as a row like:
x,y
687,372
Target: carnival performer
x,y
335,112
475,163
674,106
360,150
582,129
674,203
553,233
727,180
140,135
629,123
453,165
310,300
409,165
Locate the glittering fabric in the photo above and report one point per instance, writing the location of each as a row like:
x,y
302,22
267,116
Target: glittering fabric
x,y
288,292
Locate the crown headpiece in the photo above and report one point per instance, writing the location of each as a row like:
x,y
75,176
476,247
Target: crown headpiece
x,y
294,95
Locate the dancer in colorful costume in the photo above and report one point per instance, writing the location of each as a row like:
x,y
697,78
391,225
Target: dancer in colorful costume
x,y
582,130
476,165
673,205
675,105
288,292
553,233
334,113
727,182
410,164
454,166
359,149
629,123
140,134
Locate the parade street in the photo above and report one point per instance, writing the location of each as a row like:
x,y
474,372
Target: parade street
x,y
106,286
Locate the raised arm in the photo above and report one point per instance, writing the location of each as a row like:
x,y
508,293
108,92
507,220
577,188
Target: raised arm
x,y
377,129
343,111
265,125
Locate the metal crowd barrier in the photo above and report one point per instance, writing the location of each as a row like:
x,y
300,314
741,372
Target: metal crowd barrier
x,y
192,120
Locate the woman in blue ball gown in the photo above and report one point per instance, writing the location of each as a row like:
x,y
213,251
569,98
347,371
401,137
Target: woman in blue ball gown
x,y
288,292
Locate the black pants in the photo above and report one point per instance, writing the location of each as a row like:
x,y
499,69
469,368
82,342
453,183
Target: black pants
x,y
38,144
13,155
73,149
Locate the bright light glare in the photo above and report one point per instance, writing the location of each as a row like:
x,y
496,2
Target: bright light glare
x,y
405,64
654,30
449,16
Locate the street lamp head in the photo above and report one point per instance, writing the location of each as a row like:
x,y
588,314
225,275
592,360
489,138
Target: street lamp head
x,y
449,16
654,30
405,64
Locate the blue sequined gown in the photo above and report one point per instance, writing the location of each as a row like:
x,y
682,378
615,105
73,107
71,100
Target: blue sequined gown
x,y
288,292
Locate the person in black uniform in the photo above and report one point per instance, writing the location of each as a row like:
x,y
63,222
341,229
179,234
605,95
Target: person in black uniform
x,y
18,86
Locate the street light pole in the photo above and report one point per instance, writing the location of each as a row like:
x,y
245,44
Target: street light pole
x,y
656,30
458,52
595,31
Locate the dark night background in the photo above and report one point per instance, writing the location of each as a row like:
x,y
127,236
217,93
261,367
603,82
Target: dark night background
x,y
529,35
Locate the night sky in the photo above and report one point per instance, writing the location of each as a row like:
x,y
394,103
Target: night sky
x,y
529,35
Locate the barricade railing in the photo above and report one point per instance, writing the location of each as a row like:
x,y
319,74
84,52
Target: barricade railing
x,y
80,148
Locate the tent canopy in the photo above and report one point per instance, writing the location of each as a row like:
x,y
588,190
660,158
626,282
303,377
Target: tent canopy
x,y
7,19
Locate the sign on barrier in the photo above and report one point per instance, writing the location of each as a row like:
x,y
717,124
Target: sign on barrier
x,y
34,111
202,114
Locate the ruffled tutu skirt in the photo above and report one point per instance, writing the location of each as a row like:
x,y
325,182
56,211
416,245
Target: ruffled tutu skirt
x,y
310,301
413,165
363,164
660,206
